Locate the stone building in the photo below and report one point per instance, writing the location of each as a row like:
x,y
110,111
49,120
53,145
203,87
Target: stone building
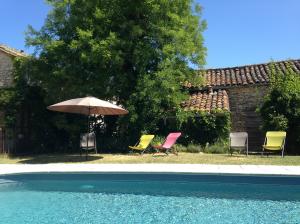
x,y
7,55
238,89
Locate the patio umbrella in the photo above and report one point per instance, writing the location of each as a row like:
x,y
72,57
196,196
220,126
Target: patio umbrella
x,y
88,106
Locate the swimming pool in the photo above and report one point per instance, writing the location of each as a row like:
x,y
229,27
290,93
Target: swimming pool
x,y
148,198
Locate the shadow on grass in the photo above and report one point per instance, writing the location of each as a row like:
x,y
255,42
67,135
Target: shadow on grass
x,y
243,154
235,156
45,159
157,155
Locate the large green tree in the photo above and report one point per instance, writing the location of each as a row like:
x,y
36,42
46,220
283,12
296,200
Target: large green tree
x,y
136,52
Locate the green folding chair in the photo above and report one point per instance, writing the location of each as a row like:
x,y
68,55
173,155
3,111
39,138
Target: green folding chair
x,y
143,144
274,141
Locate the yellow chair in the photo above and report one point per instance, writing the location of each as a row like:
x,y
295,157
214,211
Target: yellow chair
x,y
143,143
274,141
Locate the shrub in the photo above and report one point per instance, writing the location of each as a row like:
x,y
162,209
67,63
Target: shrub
x,y
180,148
217,148
207,127
281,108
158,140
193,148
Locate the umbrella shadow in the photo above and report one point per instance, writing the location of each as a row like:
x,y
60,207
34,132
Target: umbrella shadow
x,y
45,159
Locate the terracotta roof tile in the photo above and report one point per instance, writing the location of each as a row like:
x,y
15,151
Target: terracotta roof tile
x,y
223,77
238,76
207,101
244,75
297,64
228,77
248,76
233,78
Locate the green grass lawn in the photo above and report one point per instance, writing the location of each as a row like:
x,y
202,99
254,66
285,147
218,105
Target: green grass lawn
x,y
194,158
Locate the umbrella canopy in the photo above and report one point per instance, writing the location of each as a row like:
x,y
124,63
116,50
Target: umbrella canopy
x,y
88,105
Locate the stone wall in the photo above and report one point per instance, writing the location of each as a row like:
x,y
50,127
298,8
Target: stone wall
x,y
6,66
243,102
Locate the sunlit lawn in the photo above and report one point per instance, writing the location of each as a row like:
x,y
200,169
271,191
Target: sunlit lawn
x,y
194,158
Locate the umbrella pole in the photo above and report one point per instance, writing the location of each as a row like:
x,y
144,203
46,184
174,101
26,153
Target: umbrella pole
x,y
87,145
87,138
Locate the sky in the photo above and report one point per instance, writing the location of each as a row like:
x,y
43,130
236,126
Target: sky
x,y
240,32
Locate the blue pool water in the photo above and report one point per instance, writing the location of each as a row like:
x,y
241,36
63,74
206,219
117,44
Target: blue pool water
x,y
148,198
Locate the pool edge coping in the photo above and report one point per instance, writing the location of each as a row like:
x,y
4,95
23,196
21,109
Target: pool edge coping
x,y
6,169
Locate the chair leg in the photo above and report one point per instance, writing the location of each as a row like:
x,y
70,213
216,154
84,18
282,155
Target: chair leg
x,y
167,152
175,152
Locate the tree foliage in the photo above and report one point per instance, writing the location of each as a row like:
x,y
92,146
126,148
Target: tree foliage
x,y
109,48
35,128
281,108
136,53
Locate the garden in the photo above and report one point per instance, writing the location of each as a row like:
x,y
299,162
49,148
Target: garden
x,y
137,55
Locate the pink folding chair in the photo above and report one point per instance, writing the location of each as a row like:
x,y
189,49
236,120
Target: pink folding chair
x,y
169,142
